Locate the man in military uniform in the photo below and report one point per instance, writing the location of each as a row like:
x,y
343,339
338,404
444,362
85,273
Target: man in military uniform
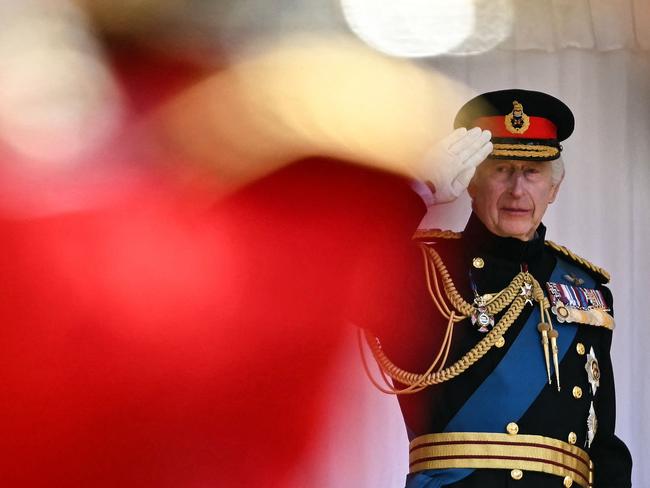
x,y
503,373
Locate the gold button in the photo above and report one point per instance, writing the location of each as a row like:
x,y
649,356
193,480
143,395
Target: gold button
x,y
512,428
577,392
568,481
516,474
478,263
573,438
500,342
580,348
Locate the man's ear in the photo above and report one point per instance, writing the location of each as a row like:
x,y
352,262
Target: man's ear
x,y
554,190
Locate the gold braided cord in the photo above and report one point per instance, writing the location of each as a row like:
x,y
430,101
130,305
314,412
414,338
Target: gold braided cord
x,y
494,306
444,349
413,388
580,260
513,295
450,330
549,152
509,296
436,295
436,234
390,390
460,366
530,148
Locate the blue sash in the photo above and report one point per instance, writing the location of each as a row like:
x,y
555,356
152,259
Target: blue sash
x,y
508,392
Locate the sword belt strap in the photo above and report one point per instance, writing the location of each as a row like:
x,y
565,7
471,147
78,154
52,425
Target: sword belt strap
x,y
486,450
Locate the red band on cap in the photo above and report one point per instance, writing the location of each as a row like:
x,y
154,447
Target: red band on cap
x,y
539,128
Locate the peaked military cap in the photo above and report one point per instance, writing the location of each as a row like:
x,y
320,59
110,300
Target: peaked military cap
x,y
526,125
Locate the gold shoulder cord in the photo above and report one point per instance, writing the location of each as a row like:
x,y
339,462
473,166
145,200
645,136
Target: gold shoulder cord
x,y
423,234
580,260
521,290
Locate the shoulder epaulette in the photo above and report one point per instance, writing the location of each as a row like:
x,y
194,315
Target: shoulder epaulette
x,y
600,272
428,234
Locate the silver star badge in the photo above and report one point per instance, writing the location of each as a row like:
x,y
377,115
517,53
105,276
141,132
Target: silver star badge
x,y
592,425
593,371
527,291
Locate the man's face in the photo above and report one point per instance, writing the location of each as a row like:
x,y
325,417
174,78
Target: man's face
x,y
510,196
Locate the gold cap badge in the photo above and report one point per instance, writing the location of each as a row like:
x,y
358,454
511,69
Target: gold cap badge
x,y
517,122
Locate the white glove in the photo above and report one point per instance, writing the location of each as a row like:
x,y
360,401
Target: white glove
x,y
450,164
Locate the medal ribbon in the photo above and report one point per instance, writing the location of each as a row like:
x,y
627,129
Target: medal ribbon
x,y
576,297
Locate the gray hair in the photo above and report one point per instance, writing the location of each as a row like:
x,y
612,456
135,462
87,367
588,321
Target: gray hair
x,y
557,170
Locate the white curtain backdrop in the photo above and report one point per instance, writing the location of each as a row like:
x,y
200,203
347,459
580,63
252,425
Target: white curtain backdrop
x,y
594,59
603,25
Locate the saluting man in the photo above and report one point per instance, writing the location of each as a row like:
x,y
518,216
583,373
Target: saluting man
x,y
501,361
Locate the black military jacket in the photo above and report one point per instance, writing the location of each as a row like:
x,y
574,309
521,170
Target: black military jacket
x,y
411,337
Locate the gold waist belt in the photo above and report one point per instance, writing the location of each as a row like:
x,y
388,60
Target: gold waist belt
x,y
501,451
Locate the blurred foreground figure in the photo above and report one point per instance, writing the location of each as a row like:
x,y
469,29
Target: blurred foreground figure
x,y
501,360
145,344
149,342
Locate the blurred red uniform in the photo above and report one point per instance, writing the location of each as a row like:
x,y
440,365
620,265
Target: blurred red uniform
x,y
149,344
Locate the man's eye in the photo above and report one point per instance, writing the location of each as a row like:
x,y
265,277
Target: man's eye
x,y
531,171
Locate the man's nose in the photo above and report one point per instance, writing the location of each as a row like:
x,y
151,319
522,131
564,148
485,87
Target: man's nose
x,y
517,182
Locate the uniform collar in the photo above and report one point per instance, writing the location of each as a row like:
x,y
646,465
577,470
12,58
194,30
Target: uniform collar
x,y
480,241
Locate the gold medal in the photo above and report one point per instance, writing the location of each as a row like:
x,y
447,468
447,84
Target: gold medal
x,y
561,312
